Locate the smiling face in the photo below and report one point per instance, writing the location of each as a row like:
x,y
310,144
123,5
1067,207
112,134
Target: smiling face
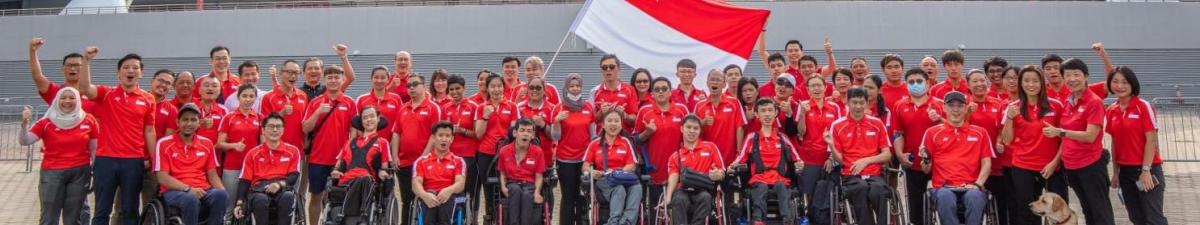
x,y
641,82
184,85
691,131
1120,86
188,122
67,103
1076,80
289,74
246,99
816,87
209,88
612,123
859,69
510,70
978,83
70,69
575,87
1032,83
249,75
130,73
732,76
456,91
161,84
379,79
370,119
929,65
686,75
219,60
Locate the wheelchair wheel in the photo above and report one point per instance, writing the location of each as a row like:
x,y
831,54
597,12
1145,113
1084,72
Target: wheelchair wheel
x,y
153,214
990,216
391,212
298,212
931,216
897,211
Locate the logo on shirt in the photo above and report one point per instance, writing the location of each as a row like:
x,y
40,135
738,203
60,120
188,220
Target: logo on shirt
x,y
972,138
870,133
704,154
676,119
85,127
285,159
506,111
1134,116
423,113
621,152
391,106
164,112
465,113
343,108
620,95
200,154
727,109
448,166
301,101
529,162
140,103
260,159
1080,110
829,115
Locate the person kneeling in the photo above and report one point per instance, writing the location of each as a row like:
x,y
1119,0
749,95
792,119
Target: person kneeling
x,y
186,166
691,200
360,163
769,153
861,144
269,175
960,159
521,165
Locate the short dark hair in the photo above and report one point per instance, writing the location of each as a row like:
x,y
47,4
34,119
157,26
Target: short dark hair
x,y
731,66
660,79
523,122
610,56
378,68
311,59
1051,58
245,87
809,58
952,55
333,69
841,72
776,57
889,58
216,49
1073,64
491,77
856,92
1135,87
130,56
794,42
686,63
994,61
165,71
510,59
858,58
246,64
916,71
443,125
292,61
763,101
455,79
439,74
269,117
72,55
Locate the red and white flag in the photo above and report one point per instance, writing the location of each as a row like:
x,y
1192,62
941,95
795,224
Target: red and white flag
x,y
656,34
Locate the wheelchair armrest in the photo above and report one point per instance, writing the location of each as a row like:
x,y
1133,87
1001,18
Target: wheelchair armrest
x,y
645,178
492,180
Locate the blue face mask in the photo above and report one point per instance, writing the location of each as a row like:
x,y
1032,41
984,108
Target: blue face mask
x,y
916,89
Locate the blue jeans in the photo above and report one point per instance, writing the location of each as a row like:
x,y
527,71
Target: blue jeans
x,y
622,201
110,175
215,201
947,205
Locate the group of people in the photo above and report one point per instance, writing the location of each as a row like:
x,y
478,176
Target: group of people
x,y
226,144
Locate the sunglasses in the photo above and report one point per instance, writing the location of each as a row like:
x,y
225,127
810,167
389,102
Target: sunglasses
x,y
608,67
639,81
916,82
535,88
414,84
661,89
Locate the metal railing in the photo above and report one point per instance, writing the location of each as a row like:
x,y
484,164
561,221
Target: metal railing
x,y
10,128
1178,128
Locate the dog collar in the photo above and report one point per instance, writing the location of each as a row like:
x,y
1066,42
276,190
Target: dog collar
x,y
1064,221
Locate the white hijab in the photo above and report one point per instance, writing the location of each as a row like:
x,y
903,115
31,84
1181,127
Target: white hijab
x,y
61,119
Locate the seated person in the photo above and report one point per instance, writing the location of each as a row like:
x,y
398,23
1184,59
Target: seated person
x,y
611,161
769,152
692,204
186,167
960,158
269,175
439,177
361,162
860,143
521,165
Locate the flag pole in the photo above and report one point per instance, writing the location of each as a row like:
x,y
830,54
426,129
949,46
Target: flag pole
x,y
556,51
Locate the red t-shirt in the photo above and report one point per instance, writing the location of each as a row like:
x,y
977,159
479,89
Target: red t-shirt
x,y
380,148
401,90
462,114
266,163
550,89
1128,126
48,96
939,90
187,163
727,118
438,172
622,96
771,151
229,86
1062,94
702,159
620,153
813,148
239,127
575,134
216,112
987,115
276,102
1098,89
1088,110
65,148
891,94
126,114
913,120
689,100
546,111
167,117
415,129
524,169
858,139
503,115
388,107
334,134
667,135
1030,148
955,153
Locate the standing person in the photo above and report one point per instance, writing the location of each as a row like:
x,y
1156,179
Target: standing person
x,y
440,80
288,101
540,111
795,51
439,177
248,74
186,166
184,85
460,113
480,95
733,74
573,128
1012,85
913,115
164,122
986,112
125,142
808,68
768,153
410,138
722,118
959,157
211,112
388,104
534,68
748,96
327,116
398,80
641,85
813,120
611,162
1133,126
313,87
930,66
270,176
859,70
1056,88
842,80
71,69
612,93
68,136
657,128
510,68
952,61
496,114
691,204
995,68
860,142
1083,155
776,68
875,100
521,168
238,132
219,61
894,87
1035,156
687,93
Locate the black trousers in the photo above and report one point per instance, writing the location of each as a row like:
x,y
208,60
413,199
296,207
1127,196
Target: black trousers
x,y
655,192
867,195
404,179
690,207
1000,188
358,191
484,168
1144,207
519,206
441,215
1027,186
573,202
915,184
758,201
260,205
1091,184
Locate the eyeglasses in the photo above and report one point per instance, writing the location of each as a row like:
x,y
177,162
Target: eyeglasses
x,y
916,82
608,67
535,88
274,126
661,89
414,84
639,81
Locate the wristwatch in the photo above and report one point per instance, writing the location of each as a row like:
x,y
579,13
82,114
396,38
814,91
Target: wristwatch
x,y
1146,168
187,189
1062,132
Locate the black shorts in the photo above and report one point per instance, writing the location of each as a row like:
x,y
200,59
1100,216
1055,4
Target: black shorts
x,y
318,175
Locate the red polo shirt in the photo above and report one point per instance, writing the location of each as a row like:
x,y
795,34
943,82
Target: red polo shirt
x,y
623,96
858,139
167,116
334,134
48,97
239,127
402,89
266,163
939,90
546,111
126,114
689,100
813,148
216,112
1030,149
913,120
187,163
65,148
767,90
576,133
438,172
380,148
524,169
987,115
462,113
503,115
229,86
1088,110
703,158
550,89
415,129
666,137
727,117
388,107
620,153
771,151
276,101
1062,94
1128,126
956,152
891,94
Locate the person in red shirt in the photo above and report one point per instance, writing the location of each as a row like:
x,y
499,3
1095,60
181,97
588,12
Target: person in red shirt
x,y
859,70
461,114
359,176
611,161
159,88
125,141
657,129
733,74
842,80
860,143
439,177
398,80
795,51
269,176
747,96
952,61
238,131
929,64
540,111
495,116
612,93
1083,155
912,116
219,60
1056,88
722,118
521,165
687,93
959,157
876,102
183,85
813,118
1133,126
439,81
572,129
986,112
481,81
768,153
808,68
894,87
186,167
510,69
641,85
327,116
386,102
410,139
71,65
1035,156
691,204
1012,85
68,136
534,68
788,106
776,67
211,112
288,101
995,68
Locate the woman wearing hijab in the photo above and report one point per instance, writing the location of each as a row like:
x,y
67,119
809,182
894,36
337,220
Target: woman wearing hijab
x,y
573,129
68,136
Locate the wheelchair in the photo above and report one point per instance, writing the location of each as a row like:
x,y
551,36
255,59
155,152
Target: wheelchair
x,y
841,211
598,205
298,210
380,207
461,213
663,217
740,176
990,216
157,212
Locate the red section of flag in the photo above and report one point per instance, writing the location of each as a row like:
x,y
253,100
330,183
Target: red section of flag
x,y
724,26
